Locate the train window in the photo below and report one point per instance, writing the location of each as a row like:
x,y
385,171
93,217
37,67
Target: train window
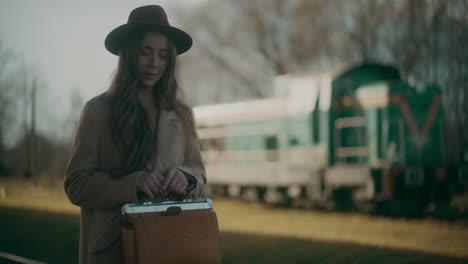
x,y
213,149
351,143
395,142
353,137
414,177
271,148
316,126
463,175
293,141
214,144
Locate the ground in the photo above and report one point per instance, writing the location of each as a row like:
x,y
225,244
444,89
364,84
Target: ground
x,y
38,222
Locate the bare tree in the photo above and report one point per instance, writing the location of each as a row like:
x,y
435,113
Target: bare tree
x,y
253,41
243,44
426,39
454,68
12,84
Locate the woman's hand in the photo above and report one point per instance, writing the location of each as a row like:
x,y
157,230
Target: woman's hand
x,y
151,183
176,182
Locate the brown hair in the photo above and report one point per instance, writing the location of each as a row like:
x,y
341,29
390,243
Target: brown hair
x,y
130,129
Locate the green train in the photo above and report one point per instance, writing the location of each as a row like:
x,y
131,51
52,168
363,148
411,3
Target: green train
x,y
356,138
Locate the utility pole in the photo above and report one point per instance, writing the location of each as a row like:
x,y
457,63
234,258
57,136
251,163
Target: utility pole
x,y
32,134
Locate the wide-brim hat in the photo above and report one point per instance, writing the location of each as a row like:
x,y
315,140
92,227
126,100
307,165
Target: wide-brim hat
x,y
143,19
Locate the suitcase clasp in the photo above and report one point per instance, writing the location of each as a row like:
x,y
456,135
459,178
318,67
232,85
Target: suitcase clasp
x,y
173,210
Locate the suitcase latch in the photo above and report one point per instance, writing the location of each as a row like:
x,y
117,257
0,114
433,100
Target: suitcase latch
x,y
173,210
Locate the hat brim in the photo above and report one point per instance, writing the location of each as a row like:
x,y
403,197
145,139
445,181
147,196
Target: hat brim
x,y
123,35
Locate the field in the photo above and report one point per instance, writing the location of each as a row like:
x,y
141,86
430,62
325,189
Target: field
x,y
39,223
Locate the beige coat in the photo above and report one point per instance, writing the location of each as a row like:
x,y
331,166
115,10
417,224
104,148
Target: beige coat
x,y
89,185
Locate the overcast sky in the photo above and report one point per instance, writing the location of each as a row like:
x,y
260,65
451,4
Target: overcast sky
x,y
63,42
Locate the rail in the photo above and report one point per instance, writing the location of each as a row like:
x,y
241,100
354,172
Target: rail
x,y
7,258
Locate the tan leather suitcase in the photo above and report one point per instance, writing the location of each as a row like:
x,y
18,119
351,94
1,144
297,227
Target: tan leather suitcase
x,y
170,232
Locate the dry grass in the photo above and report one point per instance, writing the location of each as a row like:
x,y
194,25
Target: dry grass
x,y
425,235
35,195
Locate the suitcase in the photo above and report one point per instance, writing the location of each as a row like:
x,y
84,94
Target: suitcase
x,y
170,232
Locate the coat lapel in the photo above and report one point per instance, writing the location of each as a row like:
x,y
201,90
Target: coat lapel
x,y
168,130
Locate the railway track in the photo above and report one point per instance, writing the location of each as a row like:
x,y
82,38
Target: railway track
x,y
7,258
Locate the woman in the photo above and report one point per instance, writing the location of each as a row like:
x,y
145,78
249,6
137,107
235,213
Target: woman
x,y
137,138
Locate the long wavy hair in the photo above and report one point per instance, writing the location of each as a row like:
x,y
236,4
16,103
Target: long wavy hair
x,y
129,124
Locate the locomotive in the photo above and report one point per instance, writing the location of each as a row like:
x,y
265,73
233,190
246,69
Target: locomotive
x,y
360,138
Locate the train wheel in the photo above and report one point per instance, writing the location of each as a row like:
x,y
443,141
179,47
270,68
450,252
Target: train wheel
x,y
234,191
274,196
406,208
343,198
218,191
364,206
208,191
250,194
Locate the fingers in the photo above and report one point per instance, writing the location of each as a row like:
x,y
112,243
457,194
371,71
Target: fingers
x,y
175,181
153,186
170,175
147,191
180,187
150,184
177,185
158,181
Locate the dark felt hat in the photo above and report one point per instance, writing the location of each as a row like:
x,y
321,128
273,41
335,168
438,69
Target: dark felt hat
x,y
142,19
